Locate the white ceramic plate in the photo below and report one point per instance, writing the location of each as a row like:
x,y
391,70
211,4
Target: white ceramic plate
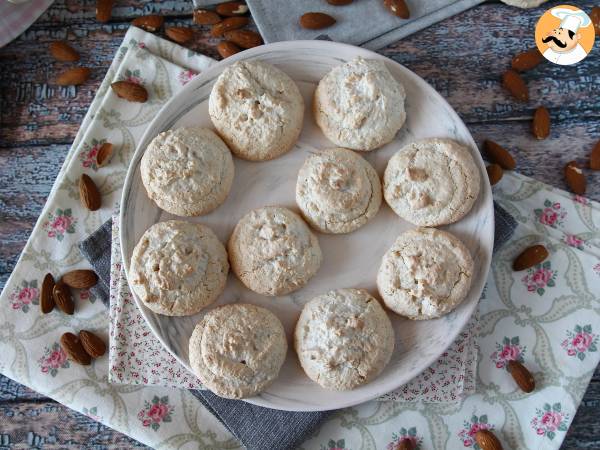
x,y
350,260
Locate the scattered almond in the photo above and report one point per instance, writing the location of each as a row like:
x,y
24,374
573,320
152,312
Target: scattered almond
x,y
540,127
46,298
80,278
104,10
104,154
231,9
226,49
595,16
339,2
206,17
487,440
527,60
61,51
63,298
92,344
530,257
397,8
89,193
244,38
595,157
499,155
72,346
73,77
130,91
495,173
514,84
231,23
522,376
316,20
181,35
575,178
149,23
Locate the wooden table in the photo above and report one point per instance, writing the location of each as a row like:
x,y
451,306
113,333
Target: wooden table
x,y
462,57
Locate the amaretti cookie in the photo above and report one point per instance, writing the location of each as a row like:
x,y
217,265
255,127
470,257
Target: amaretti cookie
x,y
431,182
425,274
178,268
344,339
359,105
273,252
257,109
338,191
187,171
237,350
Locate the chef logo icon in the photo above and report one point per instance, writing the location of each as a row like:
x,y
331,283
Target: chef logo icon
x,y
564,35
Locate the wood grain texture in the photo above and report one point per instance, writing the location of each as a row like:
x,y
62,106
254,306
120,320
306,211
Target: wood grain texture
x,y
462,57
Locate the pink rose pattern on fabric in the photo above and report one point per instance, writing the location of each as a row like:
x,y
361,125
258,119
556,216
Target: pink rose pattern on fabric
x,y
574,241
185,76
92,413
509,350
597,268
580,341
134,76
89,154
405,435
59,224
467,434
25,295
332,444
549,420
156,412
540,277
54,358
551,214
581,200
87,295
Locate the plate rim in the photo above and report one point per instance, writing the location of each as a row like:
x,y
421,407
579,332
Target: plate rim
x,y
197,82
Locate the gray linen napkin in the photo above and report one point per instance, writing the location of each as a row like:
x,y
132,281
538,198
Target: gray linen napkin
x,y
257,428
364,22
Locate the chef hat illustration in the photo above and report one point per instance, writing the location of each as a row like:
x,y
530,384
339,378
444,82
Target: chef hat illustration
x,y
571,20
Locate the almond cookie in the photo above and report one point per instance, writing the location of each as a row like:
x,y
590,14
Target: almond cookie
x,y
344,339
425,274
257,109
187,171
178,268
359,105
338,191
273,252
431,182
237,350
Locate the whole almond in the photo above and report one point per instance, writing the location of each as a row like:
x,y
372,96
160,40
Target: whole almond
x,y
595,157
231,9
226,49
575,178
499,155
181,35
73,347
149,23
206,17
92,344
89,194
61,51
595,16
73,77
104,10
530,257
397,8
522,376
316,20
527,60
244,38
487,440
80,278
46,298
104,154
339,2
514,84
231,23
495,173
540,126
132,92
63,298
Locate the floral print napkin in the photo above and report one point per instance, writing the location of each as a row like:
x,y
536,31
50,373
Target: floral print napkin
x,y
548,316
